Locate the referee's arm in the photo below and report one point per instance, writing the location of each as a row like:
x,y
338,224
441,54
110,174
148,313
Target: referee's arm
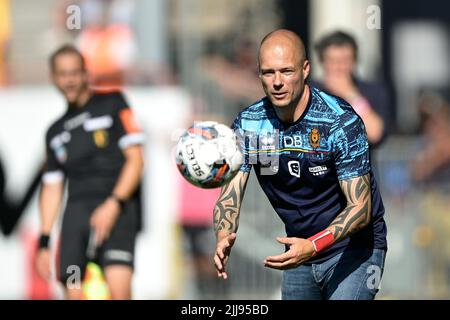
x,y
49,204
105,216
131,172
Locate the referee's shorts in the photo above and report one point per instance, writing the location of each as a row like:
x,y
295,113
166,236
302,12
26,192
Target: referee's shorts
x,y
118,249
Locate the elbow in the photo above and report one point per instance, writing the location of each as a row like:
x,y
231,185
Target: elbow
x,y
135,158
364,220
367,219
140,163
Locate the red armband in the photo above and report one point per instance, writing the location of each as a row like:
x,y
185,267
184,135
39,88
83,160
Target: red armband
x,y
322,240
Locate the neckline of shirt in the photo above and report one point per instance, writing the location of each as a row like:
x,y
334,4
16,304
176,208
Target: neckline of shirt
x,y
288,125
82,108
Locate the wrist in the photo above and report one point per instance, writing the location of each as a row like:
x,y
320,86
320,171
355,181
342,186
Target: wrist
x,y
322,240
222,234
44,241
121,202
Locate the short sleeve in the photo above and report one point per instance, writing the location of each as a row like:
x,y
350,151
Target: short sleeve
x,y
240,134
128,130
350,146
53,170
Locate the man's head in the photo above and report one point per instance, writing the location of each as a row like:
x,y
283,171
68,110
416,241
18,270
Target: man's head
x,y
283,67
68,72
337,52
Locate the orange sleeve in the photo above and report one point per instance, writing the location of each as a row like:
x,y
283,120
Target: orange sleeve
x,y
128,121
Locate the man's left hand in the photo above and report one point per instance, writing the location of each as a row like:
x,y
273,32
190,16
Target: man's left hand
x,y
300,250
103,219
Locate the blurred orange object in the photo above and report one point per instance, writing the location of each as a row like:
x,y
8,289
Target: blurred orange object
x,y
109,51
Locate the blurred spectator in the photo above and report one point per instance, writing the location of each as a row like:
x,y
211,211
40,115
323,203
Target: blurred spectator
x,y
237,76
5,30
107,41
338,54
433,161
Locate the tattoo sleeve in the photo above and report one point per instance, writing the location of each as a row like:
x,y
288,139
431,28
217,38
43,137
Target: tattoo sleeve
x,y
226,211
357,213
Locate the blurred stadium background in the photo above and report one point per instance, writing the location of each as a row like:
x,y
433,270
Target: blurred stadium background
x,y
186,60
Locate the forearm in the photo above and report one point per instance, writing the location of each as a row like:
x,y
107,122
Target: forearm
x,y
372,120
49,205
226,212
227,209
357,213
374,126
130,174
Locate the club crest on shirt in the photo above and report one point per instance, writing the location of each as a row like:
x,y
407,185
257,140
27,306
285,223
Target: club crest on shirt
x,y
101,138
314,138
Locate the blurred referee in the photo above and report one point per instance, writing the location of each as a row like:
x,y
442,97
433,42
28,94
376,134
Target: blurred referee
x,y
96,146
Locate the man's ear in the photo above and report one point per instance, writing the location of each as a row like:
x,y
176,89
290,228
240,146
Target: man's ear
x,y
306,69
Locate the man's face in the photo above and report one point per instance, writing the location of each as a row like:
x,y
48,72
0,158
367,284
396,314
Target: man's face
x,y
69,77
283,73
338,60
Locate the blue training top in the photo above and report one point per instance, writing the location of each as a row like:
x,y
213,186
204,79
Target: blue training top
x,y
299,165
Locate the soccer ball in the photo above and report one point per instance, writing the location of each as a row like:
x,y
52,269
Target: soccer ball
x,y
208,154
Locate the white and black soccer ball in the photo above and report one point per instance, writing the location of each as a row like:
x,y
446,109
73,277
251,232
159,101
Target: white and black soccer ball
x,y
208,154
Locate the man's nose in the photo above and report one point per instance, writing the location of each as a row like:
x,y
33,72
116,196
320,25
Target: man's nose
x,y
277,81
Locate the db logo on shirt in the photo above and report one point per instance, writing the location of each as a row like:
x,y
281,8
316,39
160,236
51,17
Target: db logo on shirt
x,y
294,168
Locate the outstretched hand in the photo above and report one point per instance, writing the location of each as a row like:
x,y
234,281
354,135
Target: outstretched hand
x,y
300,250
222,254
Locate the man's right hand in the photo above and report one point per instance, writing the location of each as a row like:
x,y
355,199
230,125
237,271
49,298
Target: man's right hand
x,y
222,254
43,263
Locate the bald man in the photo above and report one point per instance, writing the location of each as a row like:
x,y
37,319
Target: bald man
x,y
309,151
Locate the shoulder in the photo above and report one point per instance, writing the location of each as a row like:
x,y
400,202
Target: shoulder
x,y
109,95
257,108
332,108
328,103
257,111
56,127
110,100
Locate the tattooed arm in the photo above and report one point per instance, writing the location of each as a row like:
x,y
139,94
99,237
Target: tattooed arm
x,y
226,219
353,218
357,213
226,211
